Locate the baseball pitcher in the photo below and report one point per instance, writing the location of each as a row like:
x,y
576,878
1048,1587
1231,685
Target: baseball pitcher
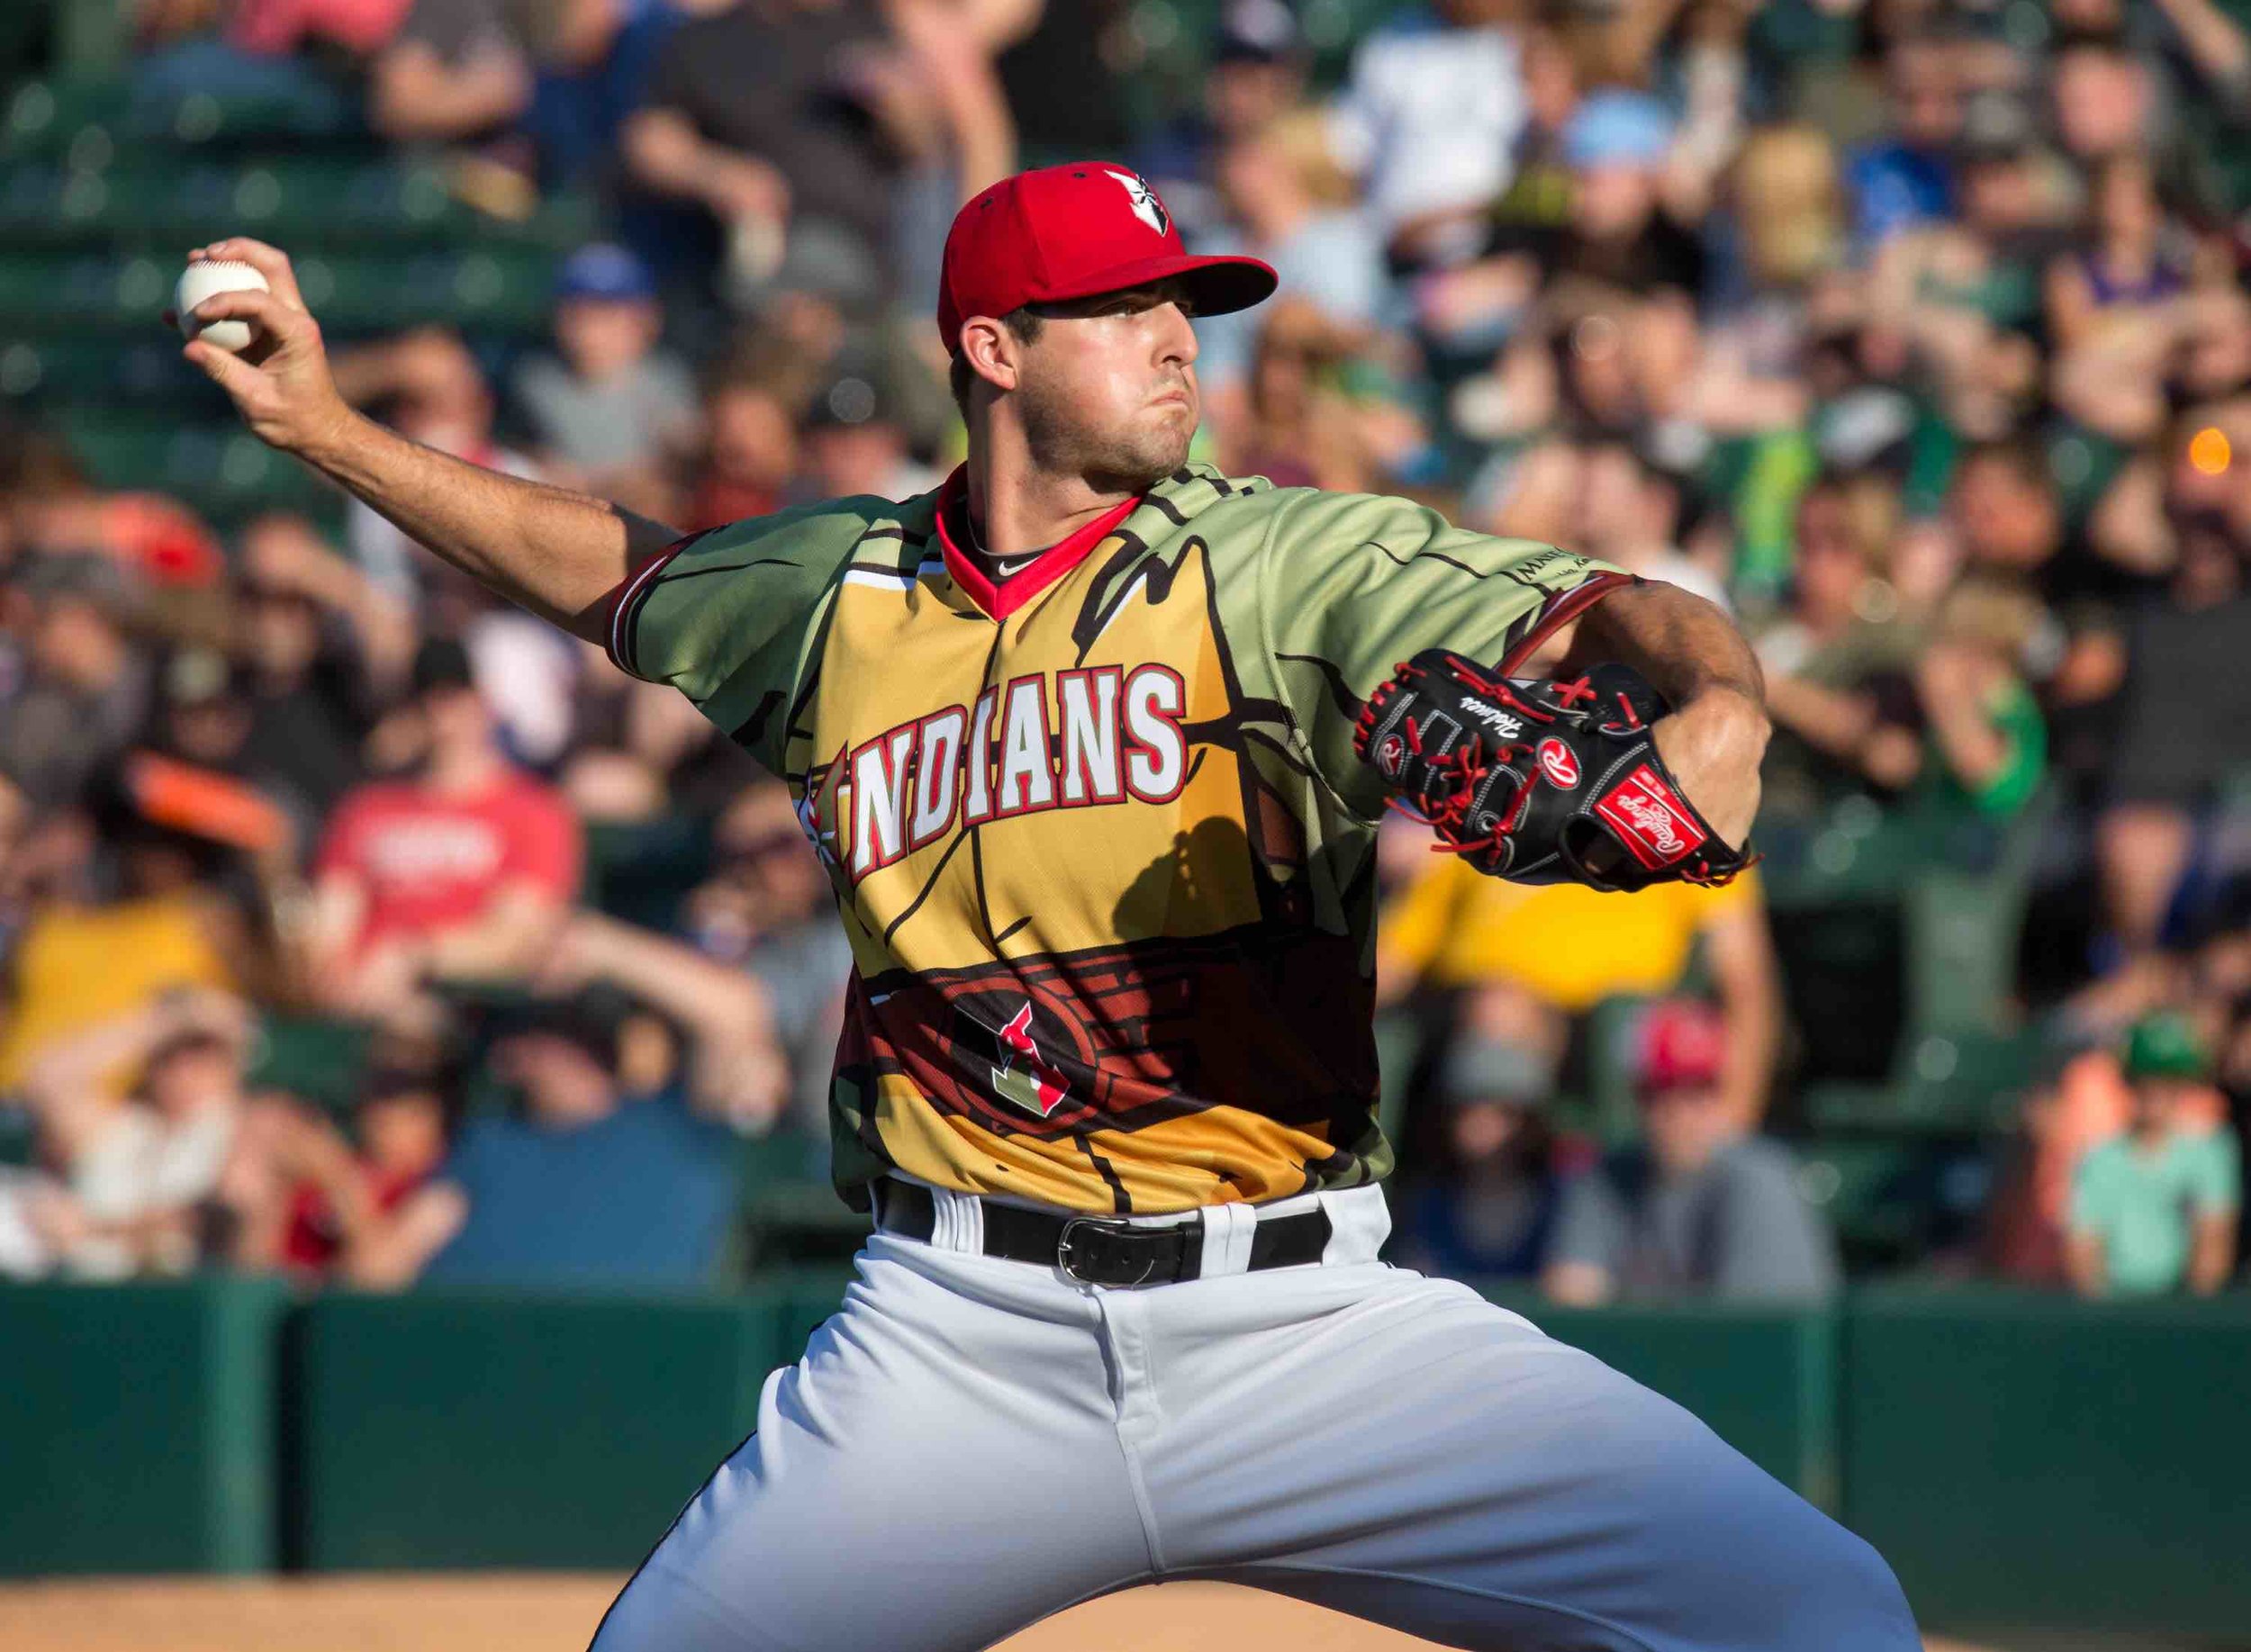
x,y
1092,743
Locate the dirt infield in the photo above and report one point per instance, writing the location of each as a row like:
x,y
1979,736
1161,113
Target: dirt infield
x,y
556,1613
540,1612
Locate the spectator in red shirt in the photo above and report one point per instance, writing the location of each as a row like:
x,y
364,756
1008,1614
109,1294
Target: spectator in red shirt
x,y
463,872
340,1211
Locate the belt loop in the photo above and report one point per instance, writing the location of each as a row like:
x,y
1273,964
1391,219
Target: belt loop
x,y
958,1221
1228,1230
1359,1221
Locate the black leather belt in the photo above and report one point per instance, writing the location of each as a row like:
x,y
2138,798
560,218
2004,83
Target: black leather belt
x,y
1097,1251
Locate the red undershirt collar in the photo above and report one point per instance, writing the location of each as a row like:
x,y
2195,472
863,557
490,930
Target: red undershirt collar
x,y
1002,598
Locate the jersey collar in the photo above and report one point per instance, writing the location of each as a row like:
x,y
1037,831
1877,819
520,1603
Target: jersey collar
x,y
1002,598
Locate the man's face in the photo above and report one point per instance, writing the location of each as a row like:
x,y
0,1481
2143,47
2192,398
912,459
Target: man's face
x,y
562,1083
1107,391
1686,1124
455,717
2161,1104
2006,522
185,1079
1830,569
1926,101
2102,103
601,336
404,1132
74,643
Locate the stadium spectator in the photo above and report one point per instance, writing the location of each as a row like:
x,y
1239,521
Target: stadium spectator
x,y
766,910
1428,121
1906,178
769,113
731,1068
854,439
109,933
86,685
461,872
323,649
1704,1208
2181,734
331,1207
1256,74
1490,1210
584,1184
608,401
1287,202
141,1174
451,69
1565,949
750,454
2155,1208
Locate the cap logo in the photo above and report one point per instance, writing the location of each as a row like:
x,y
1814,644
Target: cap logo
x,y
1146,206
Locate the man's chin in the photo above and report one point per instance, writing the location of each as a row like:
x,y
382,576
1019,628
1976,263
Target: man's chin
x,y
1138,471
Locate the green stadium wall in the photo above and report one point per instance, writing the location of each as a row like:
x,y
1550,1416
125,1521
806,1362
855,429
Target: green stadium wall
x,y
2022,1461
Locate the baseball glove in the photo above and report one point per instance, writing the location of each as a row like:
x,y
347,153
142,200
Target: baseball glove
x,y
1538,781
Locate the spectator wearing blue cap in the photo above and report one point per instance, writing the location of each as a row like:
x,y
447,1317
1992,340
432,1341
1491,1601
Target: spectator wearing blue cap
x,y
608,403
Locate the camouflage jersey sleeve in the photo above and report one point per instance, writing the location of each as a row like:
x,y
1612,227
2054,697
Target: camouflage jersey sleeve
x,y
728,615
1351,584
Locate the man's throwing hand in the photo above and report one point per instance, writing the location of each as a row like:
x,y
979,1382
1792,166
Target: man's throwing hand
x,y
281,384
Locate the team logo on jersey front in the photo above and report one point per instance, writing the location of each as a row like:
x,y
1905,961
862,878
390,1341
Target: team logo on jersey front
x,y
1146,206
1023,1077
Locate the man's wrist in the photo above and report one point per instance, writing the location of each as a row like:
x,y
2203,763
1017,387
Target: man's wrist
x,y
1726,717
329,446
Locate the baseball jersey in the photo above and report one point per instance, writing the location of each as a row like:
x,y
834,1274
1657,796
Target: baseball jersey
x,y
1100,839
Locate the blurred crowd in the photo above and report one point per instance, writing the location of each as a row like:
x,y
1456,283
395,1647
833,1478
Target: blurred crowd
x,y
1912,331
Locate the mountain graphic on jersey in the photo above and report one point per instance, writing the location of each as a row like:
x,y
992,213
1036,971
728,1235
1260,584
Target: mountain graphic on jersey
x,y
1097,836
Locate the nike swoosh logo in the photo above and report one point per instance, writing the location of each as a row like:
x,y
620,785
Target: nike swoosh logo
x,y
1014,565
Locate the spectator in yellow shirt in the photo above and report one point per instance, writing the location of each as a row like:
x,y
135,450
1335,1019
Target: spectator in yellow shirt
x,y
1527,956
79,963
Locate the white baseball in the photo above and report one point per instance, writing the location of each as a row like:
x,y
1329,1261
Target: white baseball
x,y
208,279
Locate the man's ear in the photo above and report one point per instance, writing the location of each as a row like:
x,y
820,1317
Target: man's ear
x,y
992,351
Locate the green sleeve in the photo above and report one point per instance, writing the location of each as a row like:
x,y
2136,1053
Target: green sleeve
x,y
2016,715
2094,1190
1351,584
726,616
2218,1189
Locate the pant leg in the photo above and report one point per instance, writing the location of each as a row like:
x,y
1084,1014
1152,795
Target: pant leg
x,y
940,1469
1400,1448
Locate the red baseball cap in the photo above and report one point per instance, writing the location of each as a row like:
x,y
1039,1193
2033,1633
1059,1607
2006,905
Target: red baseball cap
x,y
1682,1045
1072,231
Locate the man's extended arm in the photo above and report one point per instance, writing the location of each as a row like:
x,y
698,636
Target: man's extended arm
x,y
557,553
1692,654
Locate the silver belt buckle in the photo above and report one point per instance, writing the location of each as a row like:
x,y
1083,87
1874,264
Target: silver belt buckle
x,y
1063,1249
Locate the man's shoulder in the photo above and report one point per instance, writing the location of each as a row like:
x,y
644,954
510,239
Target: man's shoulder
x,y
1758,1163
821,522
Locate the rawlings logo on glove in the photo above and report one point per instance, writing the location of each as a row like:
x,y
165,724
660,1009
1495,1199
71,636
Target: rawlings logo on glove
x,y
1536,781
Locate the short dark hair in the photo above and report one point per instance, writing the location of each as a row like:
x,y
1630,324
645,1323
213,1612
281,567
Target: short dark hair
x,y
960,377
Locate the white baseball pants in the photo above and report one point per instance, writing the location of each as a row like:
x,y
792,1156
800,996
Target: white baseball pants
x,y
972,1444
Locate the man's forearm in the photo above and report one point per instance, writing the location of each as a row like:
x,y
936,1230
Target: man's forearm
x,y
552,551
1691,652
1684,646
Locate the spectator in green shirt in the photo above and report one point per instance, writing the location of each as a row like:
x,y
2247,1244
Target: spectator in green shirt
x,y
2155,1208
